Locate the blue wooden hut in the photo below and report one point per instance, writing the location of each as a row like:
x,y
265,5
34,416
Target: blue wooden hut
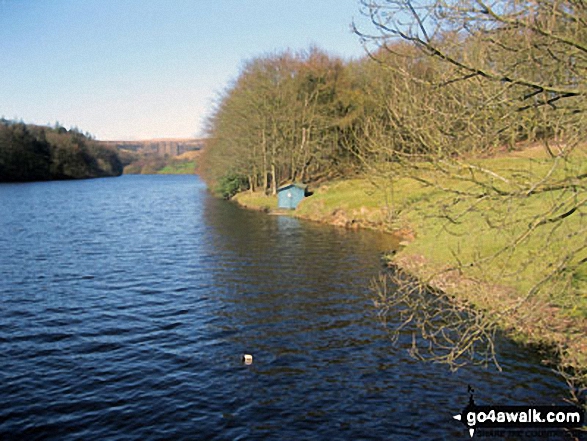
x,y
289,196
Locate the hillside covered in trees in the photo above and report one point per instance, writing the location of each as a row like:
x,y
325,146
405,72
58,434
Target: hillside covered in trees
x,y
39,153
439,81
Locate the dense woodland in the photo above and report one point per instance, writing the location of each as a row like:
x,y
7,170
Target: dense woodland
x,y
438,81
39,153
289,116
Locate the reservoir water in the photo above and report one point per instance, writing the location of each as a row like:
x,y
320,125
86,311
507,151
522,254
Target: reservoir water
x,y
126,304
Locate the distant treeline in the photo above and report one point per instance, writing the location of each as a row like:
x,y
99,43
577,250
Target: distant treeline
x,y
485,79
39,153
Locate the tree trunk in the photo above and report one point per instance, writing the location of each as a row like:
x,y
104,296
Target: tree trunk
x,y
265,172
273,179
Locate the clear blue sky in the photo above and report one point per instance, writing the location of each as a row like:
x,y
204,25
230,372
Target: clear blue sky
x,y
139,69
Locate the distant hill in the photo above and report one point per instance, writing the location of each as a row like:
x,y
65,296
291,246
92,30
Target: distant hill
x,y
156,156
39,153
159,147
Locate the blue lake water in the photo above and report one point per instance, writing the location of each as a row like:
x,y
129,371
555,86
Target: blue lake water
x,y
126,304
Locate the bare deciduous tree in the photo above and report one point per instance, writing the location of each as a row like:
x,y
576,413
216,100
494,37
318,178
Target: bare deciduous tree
x,y
465,78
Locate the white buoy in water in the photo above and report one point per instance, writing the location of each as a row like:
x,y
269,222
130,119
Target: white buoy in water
x,y
247,359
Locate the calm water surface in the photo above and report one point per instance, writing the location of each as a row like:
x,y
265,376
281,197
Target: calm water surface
x,y
126,304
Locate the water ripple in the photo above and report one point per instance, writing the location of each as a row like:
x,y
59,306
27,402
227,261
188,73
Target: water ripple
x,y
126,304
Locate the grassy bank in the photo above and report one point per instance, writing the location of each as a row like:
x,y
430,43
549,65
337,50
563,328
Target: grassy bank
x,y
465,256
256,201
178,168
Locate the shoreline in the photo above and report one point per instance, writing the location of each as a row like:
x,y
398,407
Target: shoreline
x,y
531,322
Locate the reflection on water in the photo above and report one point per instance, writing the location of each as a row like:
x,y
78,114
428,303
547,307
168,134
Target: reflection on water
x,y
128,302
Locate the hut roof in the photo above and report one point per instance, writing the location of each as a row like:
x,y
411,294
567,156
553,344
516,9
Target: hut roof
x,y
294,184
